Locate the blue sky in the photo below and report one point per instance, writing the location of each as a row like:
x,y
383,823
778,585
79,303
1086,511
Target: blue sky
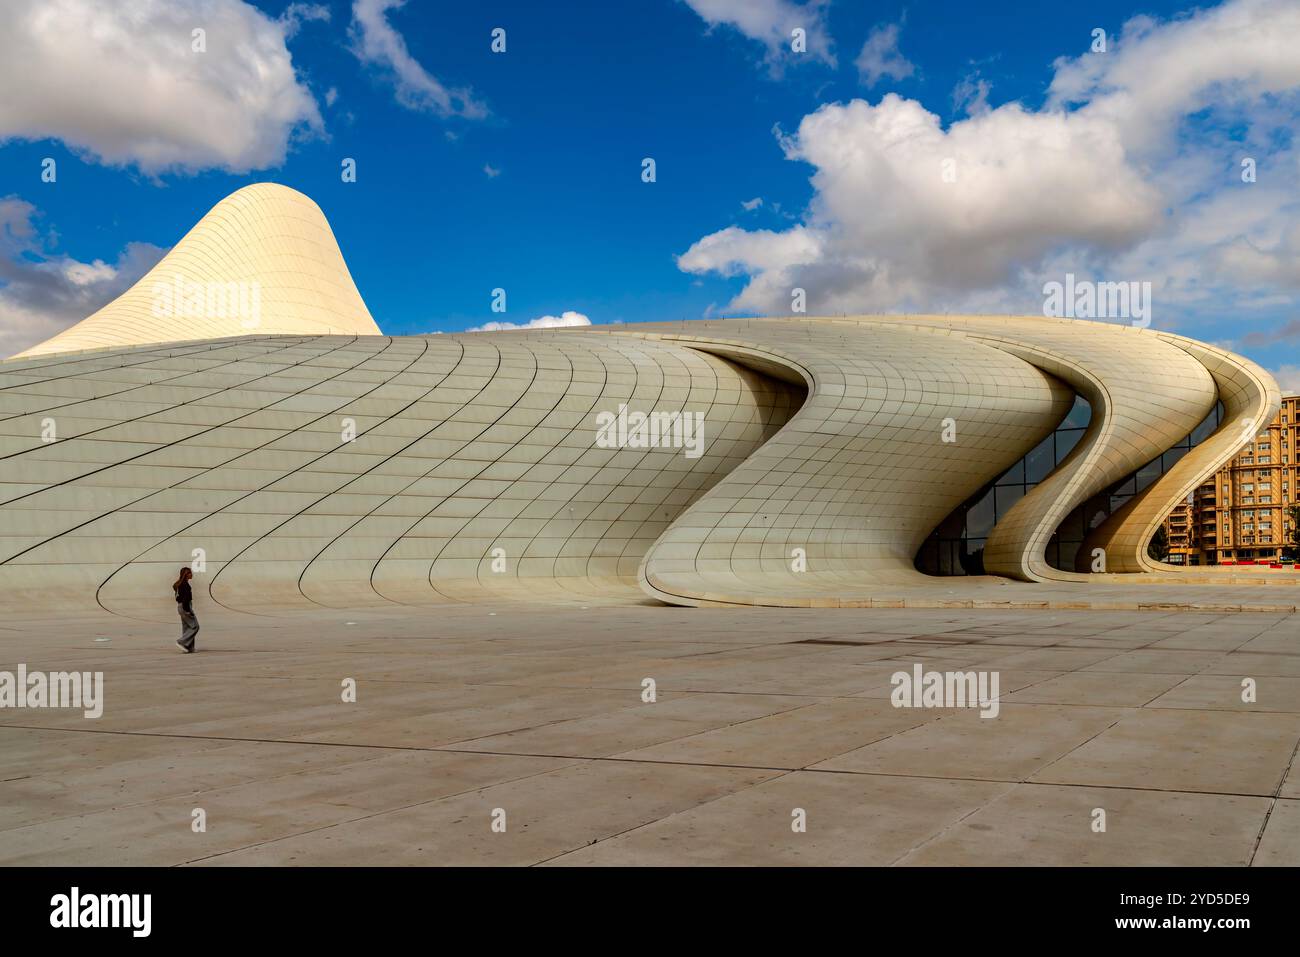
x,y
522,170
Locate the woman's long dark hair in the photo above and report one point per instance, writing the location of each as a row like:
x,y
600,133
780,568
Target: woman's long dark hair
x,y
185,575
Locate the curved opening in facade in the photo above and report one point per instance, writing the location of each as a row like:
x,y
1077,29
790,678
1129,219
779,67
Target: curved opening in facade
x,y
956,546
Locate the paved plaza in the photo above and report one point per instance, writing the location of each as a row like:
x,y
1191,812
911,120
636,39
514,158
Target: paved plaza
x,y
532,717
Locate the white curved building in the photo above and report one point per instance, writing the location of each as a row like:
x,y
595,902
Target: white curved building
x,y
309,460
264,253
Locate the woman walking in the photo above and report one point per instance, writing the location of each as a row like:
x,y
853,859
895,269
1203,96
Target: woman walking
x,y
184,604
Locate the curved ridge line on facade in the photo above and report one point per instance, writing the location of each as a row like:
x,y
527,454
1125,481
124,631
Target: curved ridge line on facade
x,y
1078,472
208,584
1031,564
739,350
1083,473
1124,536
1074,473
661,589
1077,464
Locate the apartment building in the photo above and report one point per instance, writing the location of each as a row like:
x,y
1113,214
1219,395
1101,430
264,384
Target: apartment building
x,y
1241,515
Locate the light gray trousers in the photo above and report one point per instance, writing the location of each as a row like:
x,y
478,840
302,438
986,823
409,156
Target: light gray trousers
x,y
189,627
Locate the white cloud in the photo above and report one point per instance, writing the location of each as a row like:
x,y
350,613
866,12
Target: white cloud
x,y
376,43
296,14
752,204
87,274
42,292
1129,172
735,251
881,58
1288,379
567,318
1159,72
120,82
971,94
491,171
771,23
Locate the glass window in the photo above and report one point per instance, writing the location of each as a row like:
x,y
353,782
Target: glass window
x,y
1168,460
1072,528
1040,461
979,520
1014,475
1066,440
1007,495
1080,415
1202,431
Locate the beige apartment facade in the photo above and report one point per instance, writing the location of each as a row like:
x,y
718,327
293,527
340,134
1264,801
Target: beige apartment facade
x,y
1241,514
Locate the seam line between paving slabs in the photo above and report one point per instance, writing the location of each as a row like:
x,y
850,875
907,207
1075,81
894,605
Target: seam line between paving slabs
x,y
1268,814
642,761
183,793
763,694
629,707
579,760
785,772
372,814
576,760
1109,787
951,825
1023,780
788,771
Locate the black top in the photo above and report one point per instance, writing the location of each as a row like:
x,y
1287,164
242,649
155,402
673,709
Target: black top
x,y
184,595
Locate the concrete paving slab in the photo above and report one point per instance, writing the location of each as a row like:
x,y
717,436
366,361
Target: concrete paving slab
x,y
611,733
1280,845
1022,739
1035,825
275,809
793,738
1229,693
537,708
546,815
1096,688
179,769
1209,751
851,820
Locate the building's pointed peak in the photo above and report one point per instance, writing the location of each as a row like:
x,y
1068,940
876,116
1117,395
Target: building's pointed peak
x,y
262,261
